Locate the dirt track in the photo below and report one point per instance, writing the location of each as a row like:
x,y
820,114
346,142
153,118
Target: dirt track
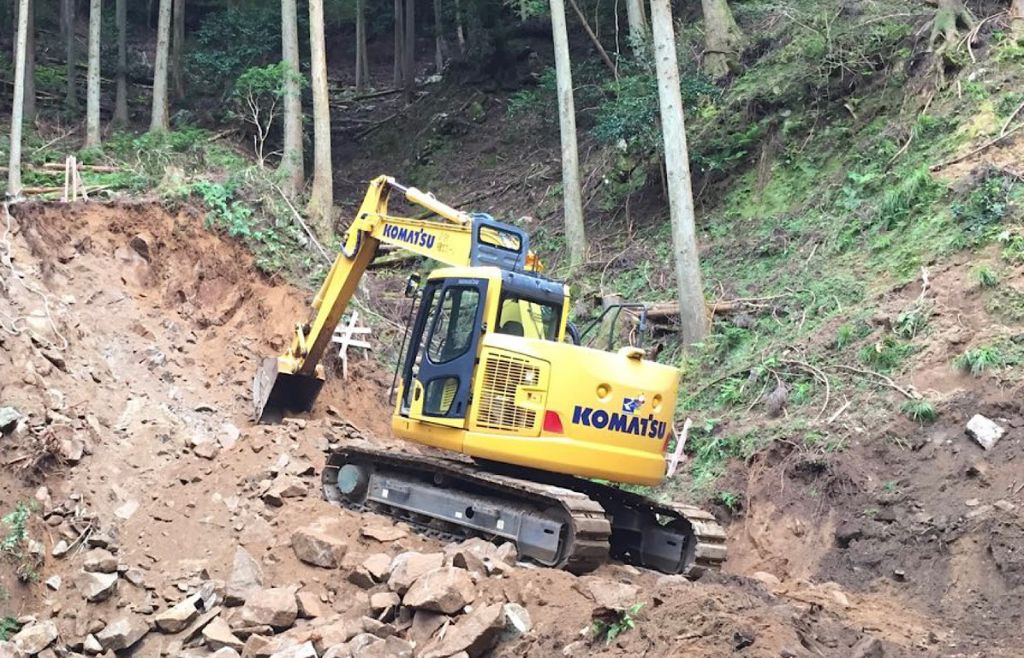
x,y
164,324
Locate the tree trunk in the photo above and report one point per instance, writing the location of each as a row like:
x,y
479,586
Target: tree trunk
x,y
362,66
18,106
178,49
439,46
572,196
1017,18
292,166
460,34
321,198
399,42
30,65
637,22
409,49
593,39
92,96
160,120
121,101
723,39
677,173
948,18
71,96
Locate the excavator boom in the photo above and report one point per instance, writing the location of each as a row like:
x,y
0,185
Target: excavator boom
x,y
292,381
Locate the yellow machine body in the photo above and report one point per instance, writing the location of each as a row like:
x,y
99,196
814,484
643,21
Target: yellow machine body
x,y
488,371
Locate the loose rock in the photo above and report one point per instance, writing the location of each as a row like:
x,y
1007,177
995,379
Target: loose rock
x,y
122,633
607,595
476,633
218,635
407,567
316,545
272,607
447,590
96,586
985,431
35,637
246,578
176,618
100,560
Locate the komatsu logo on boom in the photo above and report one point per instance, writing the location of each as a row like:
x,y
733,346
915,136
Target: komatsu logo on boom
x,y
615,422
415,237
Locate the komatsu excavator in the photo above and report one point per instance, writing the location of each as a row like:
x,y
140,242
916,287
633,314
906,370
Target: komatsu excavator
x,y
528,423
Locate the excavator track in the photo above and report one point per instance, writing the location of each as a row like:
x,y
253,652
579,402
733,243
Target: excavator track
x,y
553,526
557,521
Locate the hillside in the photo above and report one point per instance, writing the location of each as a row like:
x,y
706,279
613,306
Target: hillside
x,y
859,192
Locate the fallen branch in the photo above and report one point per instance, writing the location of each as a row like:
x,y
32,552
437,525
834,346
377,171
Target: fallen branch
x,y
593,38
910,393
302,223
961,158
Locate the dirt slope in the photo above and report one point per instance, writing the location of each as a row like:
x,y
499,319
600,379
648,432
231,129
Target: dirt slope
x,y
164,323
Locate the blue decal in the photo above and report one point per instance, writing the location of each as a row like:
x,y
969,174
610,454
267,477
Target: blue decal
x,y
616,422
632,405
414,237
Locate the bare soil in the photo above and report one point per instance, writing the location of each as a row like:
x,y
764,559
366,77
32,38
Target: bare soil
x,y
164,324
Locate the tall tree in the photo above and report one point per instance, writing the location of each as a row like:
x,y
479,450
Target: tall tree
x,y
92,96
292,166
572,196
460,34
399,42
637,20
677,170
69,12
321,198
121,99
362,65
439,46
178,49
160,117
30,65
409,49
1017,18
18,105
723,39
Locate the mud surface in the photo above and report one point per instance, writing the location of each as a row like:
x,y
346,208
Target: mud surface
x,y
133,333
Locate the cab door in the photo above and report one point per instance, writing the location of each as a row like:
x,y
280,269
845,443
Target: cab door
x,y
439,373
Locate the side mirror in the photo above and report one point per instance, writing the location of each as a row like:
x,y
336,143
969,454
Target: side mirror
x,y
412,284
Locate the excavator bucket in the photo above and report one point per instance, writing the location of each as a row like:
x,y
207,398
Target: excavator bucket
x,y
274,392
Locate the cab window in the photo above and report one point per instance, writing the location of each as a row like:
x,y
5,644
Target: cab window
x,y
520,316
454,328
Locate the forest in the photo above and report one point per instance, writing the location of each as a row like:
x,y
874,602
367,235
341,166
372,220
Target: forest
x,y
813,211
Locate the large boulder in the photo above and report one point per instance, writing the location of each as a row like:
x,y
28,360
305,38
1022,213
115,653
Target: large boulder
x,y
217,635
335,633
35,637
475,633
274,607
607,595
409,566
100,560
122,633
319,544
246,578
94,586
304,650
447,590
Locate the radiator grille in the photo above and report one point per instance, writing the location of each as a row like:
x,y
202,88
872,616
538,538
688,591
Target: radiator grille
x,y
497,408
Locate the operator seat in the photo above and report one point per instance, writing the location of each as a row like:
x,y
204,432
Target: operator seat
x,y
512,328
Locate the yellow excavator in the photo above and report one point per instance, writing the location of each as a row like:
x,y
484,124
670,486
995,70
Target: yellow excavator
x,y
532,428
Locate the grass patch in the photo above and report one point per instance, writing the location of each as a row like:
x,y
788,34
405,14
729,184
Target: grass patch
x,y
980,359
621,622
922,411
985,276
8,627
886,355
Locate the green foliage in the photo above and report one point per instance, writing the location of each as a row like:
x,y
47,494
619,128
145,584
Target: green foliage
x,y
541,100
624,620
922,411
8,627
979,359
986,276
913,321
230,41
226,212
984,208
16,522
850,333
912,194
825,442
730,499
885,355
891,486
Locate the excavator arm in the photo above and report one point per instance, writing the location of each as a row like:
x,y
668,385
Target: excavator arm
x,y
292,381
